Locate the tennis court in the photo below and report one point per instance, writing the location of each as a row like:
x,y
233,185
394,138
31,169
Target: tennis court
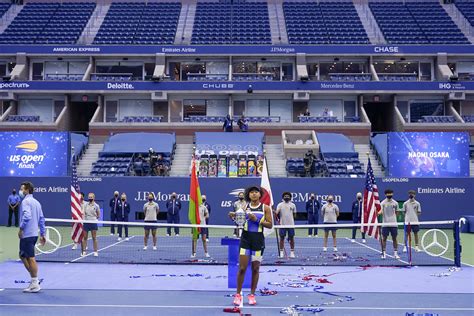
x,y
123,280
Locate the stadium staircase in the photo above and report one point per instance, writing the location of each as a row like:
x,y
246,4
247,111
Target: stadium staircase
x,y
184,31
9,16
368,21
461,22
275,159
93,26
363,149
277,23
91,155
182,160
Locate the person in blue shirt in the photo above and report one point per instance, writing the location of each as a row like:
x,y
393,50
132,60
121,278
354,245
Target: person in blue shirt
x,y
13,205
173,206
243,124
356,216
31,219
312,208
122,215
114,203
228,124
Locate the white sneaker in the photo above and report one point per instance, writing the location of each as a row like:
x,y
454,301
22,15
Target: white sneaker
x,y
154,248
74,247
363,241
145,248
292,254
87,247
207,239
383,255
96,254
404,249
207,255
315,236
395,255
417,249
281,254
177,235
193,255
119,239
309,236
83,254
167,235
335,249
353,240
325,249
32,288
111,234
127,239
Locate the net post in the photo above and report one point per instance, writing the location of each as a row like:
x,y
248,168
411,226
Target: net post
x,y
457,244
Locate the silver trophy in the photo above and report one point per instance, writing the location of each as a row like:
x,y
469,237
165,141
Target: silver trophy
x,y
240,219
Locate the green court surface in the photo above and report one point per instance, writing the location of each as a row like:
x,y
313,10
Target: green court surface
x,y
9,241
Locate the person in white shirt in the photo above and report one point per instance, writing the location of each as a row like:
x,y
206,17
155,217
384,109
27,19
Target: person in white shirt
x,y
91,213
203,215
389,209
411,209
330,213
287,212
151,210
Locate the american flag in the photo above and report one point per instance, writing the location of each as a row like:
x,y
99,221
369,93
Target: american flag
x,y
76,208
371,204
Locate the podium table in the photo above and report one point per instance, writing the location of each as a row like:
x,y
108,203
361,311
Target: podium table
x,y
233,264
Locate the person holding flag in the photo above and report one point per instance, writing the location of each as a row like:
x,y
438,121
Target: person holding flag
x,y
203,216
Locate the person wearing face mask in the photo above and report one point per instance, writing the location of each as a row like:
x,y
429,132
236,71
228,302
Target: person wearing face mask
x,y
122,215
203,216
91,213
287,212
330,213
412,209
312,208
357,215
114,203
31,219
13,205
208,206
173,206
389,209
239,204
151,210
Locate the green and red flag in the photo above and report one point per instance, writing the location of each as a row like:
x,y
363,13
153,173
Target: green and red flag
x,y
195,200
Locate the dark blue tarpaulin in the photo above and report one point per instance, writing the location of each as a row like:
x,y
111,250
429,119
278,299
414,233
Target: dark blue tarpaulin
x,y
129,143
336,145
79,142
380,142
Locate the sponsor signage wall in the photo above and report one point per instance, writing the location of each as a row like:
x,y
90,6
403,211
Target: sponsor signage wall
x,y
441,199
34,154
428,154
237,50
147,86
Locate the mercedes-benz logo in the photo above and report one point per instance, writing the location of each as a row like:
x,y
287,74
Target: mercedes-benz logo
x,y
435,242
53,241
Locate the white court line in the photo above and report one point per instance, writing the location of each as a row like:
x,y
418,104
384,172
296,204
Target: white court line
x,y
245,307
91,253
377,251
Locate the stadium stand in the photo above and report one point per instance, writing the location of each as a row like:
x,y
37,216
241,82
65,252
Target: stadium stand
x,y
467,9
220,119
318,119
66,26
437,119
226,23
139,23
416,23
79,143
141,119
379,145
419,110
468,118
120,150
4,8
326,23
29,23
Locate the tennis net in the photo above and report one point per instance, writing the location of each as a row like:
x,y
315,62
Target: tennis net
x,y
438,244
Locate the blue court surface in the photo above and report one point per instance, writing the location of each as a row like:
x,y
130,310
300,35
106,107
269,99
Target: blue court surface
x,y
129,289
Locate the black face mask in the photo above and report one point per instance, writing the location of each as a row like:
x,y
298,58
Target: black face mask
x,y
150,199
411,196
330,201
14,192
241,198
91,200
359,198
389,197
123,199
287,199
312,198
203,200
116,195
173,196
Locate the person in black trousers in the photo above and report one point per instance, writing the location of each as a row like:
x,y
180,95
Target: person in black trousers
x,y
173,207
13,206
122,215
356,216
114,202
312,208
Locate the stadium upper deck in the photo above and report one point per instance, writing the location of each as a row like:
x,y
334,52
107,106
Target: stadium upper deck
x,y
168,61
